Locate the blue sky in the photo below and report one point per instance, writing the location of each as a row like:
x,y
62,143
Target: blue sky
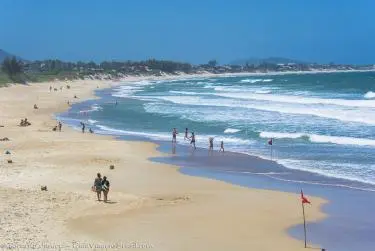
x,y
194,31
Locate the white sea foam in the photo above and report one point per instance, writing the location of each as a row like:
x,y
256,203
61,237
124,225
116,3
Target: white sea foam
x,y
231,130
369,95
299,99
339,140
113,131
347,171
263,91
92,121
349,115
183,92
129,89
93,108
253,81
242,89
202,139
250,80
280,135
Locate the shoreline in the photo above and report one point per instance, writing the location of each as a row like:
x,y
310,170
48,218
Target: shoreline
x,y
141,200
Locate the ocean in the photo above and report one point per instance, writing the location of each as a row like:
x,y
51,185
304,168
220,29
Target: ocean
x,y
320,123
322,126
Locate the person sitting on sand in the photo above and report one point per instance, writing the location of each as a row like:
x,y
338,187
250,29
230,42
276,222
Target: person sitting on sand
x,y
97,187
35,106
27,123
75,96
54,128
105,188
22,123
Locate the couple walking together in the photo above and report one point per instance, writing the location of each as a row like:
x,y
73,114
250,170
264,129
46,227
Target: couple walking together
x,y
101,185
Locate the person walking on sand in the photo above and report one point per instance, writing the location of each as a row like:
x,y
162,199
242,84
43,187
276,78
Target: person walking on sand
x,y
60,126
174,135
105,188
97,187
221,146
186,134
192,142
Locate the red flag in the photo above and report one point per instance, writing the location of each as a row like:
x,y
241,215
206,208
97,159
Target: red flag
x,y
270,142
304,199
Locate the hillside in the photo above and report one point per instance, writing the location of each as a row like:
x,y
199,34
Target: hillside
x,y
4,54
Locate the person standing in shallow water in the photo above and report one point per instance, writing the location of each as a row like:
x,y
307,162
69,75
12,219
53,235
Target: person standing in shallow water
x,y
186,134
221,146
98,185
192,142
174,135
211,143
83,127
105,188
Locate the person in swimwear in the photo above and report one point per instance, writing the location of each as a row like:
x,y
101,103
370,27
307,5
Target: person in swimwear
x,y
211,143
221,146
174,135
192,142
186,134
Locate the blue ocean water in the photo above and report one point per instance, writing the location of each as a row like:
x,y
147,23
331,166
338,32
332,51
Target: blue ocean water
x,y
323,126
320,123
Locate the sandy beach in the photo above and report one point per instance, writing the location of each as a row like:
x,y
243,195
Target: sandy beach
x,y
152,206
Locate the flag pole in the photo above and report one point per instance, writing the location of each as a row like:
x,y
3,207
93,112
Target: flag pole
x,y
304,220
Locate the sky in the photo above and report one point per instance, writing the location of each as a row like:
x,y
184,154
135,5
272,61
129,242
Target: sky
x,y
195,31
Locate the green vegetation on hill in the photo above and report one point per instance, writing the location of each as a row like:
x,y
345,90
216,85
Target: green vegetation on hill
x,y
14,70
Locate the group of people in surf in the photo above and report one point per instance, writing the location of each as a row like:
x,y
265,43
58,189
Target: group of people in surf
x,y
192,140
